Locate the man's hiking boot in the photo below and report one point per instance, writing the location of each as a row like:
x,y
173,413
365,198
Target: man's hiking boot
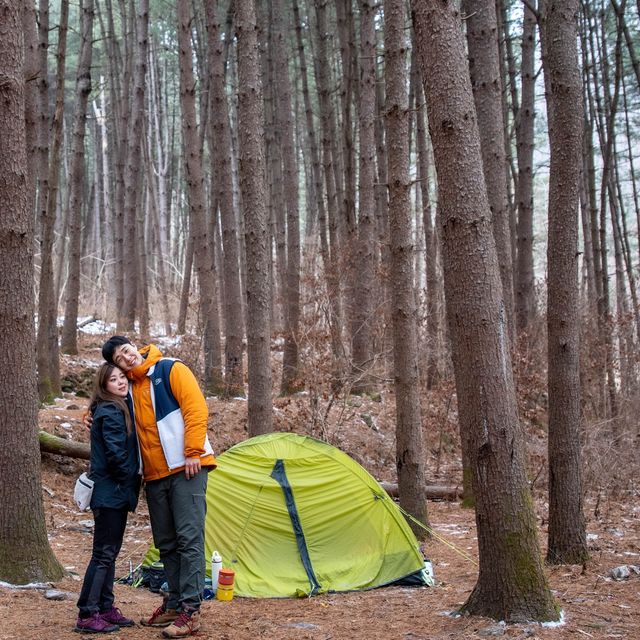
x,y
161,617
114,616
95,624
186,624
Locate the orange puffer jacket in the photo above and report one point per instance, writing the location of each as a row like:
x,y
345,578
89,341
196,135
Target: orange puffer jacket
x,y
193,408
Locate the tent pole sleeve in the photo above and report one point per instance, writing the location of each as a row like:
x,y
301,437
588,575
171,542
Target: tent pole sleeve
x,y
280,476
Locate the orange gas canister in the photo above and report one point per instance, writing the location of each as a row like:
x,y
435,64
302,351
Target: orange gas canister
x,y
225,584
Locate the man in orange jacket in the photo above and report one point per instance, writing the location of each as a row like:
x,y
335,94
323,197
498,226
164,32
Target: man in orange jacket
x,y
171,423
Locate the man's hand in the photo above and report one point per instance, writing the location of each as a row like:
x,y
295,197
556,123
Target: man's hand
x,y
87,420
191,467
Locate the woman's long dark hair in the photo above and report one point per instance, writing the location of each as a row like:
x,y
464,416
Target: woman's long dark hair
x,y
100,393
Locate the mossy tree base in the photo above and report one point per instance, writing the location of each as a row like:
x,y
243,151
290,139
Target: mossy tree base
x,y
46,392
517,607
569,555
230,392
40,566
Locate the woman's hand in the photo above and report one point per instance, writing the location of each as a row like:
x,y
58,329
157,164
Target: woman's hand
x,y
87,420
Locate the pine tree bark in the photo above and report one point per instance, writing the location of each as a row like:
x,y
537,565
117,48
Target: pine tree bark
x,y
511,583
345,227
31,70
311,134
142,253
594,283
607,114
327,228
197,203
186,285
567,534
69,342
157,166
430,241
47,338
25,554
409,452
120,73
363,265
525,291
291,282
484,64
223,179
132,197
253,190
277,214
42,150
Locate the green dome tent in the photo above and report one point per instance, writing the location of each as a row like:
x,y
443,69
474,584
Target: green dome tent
x,y
292,515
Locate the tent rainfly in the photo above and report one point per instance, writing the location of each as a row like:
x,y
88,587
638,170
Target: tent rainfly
x,y
295,516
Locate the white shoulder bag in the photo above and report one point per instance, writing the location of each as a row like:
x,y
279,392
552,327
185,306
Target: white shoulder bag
x,y
83,491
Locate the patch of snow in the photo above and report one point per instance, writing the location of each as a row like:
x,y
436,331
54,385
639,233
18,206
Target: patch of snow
x,y
558,623
97,327
31,585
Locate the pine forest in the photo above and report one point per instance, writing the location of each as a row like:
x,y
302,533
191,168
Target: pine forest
x,y
420,217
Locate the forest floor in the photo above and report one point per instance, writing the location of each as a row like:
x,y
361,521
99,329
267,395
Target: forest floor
x,y
593,603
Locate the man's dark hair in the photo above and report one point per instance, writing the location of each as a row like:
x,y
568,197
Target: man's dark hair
x,y
110,346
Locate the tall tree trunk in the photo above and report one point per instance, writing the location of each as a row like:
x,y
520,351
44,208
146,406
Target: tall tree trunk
x,y
156,179
567,535
430,240
592,241
197,203
42,173
635,180
311,135
328,247
222,171
291,283
511,583
363,265
122,103
186,284
484,63
132,198
607,133
277,214
25,554
142,243
525,292
76,198
409,453
47,339
507,65
31,104
345,227
252,186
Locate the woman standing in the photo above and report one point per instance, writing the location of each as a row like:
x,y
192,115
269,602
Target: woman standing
x,y
115,471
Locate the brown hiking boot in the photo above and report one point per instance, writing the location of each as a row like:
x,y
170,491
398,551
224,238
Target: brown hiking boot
x,y
186,624
161,617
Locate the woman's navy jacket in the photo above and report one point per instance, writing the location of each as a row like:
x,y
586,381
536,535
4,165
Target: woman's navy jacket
x,y
115,461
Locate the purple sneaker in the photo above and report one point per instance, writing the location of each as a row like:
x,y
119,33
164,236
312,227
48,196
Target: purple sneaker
x,y
114,616
95,624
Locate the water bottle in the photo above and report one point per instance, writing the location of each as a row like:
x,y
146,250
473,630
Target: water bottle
x,y
216,565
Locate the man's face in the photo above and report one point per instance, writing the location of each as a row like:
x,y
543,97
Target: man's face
x,y
126,356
